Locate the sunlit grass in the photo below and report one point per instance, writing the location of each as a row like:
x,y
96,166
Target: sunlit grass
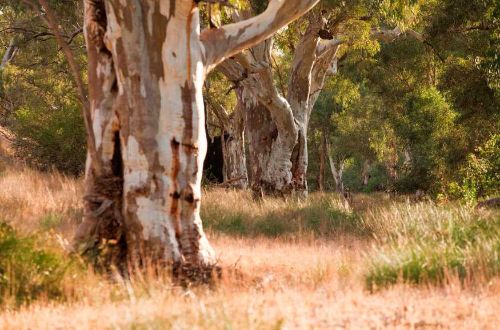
x,y
320,215
286,264
424,243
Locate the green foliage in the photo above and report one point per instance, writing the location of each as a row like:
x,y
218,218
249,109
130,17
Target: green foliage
x,y
430,245
425,126
28,272
51,138
39,103
481,173
423,107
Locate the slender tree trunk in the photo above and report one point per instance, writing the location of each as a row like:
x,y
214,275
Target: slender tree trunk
x,y
9,54
147,65
365,174
322,154
337,173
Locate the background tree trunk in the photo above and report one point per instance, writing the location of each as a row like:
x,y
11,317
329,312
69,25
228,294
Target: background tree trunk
x,y
233,141
270,128
337,173
235,162
261,133
9,54
322,154
365,174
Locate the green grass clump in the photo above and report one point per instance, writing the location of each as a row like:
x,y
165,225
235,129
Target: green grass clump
x,y
28,272
432,245
320,215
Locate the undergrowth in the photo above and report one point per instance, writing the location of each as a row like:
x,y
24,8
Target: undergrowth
x,y
428,244
236,213
29,270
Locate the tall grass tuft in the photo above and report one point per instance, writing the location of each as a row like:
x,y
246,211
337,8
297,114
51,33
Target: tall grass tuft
x,y
237,213
428,244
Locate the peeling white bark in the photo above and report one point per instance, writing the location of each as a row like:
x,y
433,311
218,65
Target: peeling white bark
x,y
314,60
278,151
147,65
233,38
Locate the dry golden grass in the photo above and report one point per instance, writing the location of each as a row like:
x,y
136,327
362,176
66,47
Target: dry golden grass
x,y
299,281
28,198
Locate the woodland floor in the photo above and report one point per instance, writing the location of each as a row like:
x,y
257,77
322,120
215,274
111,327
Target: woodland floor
x,y
283,286
292,282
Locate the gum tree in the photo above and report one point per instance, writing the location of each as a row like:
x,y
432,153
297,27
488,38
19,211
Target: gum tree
x,y
147,63
277,121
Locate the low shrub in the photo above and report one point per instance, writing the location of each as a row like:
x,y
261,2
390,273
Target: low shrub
x,y
481,174
28,272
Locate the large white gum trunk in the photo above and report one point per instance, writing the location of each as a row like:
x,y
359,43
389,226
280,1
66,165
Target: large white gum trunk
x,y
160,76
146,76
147,65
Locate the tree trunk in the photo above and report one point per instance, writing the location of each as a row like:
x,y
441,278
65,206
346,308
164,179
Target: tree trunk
x,y
337,173
261,134
9,54
270,129
278,151
322,154
233,141
150,137
300,161
313,60
365,174
235,163
147,65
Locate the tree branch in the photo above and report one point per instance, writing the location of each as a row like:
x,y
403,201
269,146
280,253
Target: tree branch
x,y
233,38
219,110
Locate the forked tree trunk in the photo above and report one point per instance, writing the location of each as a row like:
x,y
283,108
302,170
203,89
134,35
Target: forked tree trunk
x,y
147,65
314,59
337,170
270,129
278,151
337,173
